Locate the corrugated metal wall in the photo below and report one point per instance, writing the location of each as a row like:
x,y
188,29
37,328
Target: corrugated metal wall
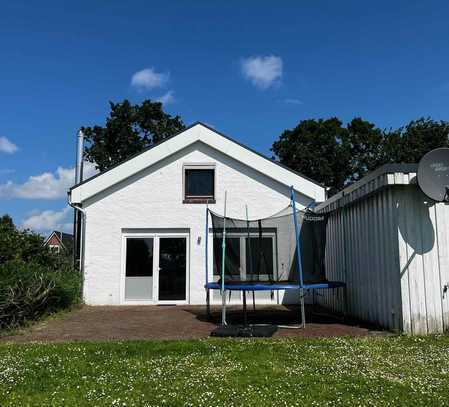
x,y
363,251
424,261
392,249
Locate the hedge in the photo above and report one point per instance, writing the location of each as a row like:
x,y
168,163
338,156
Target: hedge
x,y
30,290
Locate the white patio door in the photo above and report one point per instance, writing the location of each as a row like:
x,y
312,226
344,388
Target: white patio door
x,y
172,275
155,268
139,268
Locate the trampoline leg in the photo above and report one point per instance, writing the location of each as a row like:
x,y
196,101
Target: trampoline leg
x,y
313,300
345,304
223,308
245,317
254,300
208,303
303,308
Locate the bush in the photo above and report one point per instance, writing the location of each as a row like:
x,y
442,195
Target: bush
x,y
30,290
33,280
25,245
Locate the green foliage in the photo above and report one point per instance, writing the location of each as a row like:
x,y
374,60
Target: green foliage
x,y
419,137
129,129
362,145
392,371
30,290
337,155
23,245
33,280
314,148
27,246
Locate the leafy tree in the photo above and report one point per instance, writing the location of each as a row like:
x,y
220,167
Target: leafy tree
x,y
421,136
391,148
316,149
22,245
337,156
6,223
363,147
129,129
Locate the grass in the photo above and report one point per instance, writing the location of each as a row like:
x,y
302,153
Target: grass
x,y
283,372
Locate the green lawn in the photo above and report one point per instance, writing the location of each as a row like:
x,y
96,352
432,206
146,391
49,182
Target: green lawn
x,y
282,372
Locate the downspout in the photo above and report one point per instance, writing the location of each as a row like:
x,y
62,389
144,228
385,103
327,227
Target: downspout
x,y
78,178
81,240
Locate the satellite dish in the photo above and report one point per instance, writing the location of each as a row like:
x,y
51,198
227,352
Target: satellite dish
x,y
433,174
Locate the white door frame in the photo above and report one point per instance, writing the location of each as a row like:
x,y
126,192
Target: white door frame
x,y
156,245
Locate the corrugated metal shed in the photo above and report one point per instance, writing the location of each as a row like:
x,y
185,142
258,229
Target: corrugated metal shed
x,y
390,243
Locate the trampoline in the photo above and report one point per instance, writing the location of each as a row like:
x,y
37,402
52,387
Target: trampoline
x,y
274,287
285,251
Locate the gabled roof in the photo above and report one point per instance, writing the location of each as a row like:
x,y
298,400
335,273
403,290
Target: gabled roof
x,y
65,239
194,133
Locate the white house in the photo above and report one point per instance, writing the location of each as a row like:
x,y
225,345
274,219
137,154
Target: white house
x,y
144,221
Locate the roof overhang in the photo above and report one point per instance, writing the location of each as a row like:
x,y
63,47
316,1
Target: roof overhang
x,y
385,176
197,132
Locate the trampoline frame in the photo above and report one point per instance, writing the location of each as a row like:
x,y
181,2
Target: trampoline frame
x,y
260,286
271,287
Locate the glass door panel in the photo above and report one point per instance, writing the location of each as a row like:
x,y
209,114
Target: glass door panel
x,y
139,269
172,268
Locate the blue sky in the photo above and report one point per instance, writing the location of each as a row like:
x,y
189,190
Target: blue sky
x,y
250,69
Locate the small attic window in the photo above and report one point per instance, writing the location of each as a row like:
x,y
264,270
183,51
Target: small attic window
x,y
199,184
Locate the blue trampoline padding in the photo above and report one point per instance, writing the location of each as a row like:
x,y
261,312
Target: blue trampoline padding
x,y
269,287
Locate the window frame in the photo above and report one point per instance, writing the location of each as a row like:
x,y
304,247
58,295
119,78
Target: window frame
x,y
242,236
55,248
198,199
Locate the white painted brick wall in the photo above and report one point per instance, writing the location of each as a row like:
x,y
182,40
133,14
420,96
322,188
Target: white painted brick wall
x,y
153,199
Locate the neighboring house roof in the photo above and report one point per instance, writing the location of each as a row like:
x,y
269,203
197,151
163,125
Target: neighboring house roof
x,y
202,133
64,239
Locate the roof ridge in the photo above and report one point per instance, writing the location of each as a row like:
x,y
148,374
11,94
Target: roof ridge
x,y
199,123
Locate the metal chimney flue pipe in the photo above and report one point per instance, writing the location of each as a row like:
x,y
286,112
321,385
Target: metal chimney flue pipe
x,y
79,158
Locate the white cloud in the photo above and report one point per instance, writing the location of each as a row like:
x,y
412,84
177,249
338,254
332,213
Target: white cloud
x,y
7,146
46,221
263,72
48,185
167,98
293,101
148,78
